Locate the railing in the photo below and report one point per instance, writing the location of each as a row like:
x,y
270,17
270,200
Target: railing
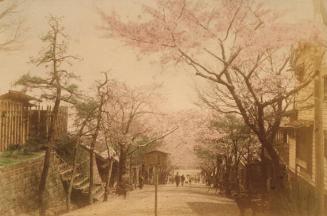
x,y
63,161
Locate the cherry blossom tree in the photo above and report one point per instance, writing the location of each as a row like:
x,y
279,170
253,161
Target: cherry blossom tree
x,y
242,48
225,142
10,28
127,115
181,143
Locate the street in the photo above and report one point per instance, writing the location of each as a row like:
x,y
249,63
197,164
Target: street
x,y
190,200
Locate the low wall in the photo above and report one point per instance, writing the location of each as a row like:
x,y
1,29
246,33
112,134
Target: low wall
x,y
19,188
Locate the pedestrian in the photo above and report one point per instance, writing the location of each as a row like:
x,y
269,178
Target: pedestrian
x,y
141,184
124,185
177,179
183,179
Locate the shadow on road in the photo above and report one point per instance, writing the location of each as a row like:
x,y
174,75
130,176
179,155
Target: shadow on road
x,y
211,208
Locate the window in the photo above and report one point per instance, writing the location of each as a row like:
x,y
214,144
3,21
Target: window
x,y
281,138
304,140
281,144
300,71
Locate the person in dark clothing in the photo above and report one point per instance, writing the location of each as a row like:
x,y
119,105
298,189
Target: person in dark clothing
x,y
177,179
141,182
124,186
182,180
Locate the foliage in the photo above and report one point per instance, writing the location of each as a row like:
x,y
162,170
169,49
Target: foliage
x,y
10,26
226,144
53,57
242,48
31,146
16,155
65,147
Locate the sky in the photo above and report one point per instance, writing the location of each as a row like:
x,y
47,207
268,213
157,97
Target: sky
x,y
81,20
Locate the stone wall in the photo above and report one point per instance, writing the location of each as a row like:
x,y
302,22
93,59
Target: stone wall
x,y
19,188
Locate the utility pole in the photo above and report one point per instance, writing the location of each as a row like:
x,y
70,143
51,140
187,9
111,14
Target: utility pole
x,y
319,143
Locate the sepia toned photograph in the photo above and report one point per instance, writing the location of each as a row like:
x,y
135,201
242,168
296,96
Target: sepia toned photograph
x,y
163,108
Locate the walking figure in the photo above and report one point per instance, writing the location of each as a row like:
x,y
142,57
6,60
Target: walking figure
x,y
177,179
141,182
124,185
183,180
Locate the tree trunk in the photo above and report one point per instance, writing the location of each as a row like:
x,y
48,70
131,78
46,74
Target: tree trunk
x,y
94,139
122,163
91,179
72,178
278,173
71,181
43,181
47,157
217,173
47,162
106,191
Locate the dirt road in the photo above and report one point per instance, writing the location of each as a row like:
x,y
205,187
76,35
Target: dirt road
x,y
189,200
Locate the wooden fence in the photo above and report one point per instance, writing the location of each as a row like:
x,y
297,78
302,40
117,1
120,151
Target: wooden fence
x,y
20,122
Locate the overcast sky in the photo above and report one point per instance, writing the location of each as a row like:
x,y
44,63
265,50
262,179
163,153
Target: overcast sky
x,y
101,54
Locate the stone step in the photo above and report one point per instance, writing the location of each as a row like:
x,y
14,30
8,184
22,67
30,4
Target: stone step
x,y
80,181
63,166
99,196
95,189
67,176
66,171
84,187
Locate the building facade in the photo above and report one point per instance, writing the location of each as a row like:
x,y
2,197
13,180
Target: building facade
x,y
297,138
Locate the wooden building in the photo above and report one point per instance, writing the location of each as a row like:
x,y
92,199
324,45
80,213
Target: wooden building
x,y
22,118
297,137
155,160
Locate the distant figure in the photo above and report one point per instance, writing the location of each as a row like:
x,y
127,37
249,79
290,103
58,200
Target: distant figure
x,y
123,186
183,179
177,179
141,180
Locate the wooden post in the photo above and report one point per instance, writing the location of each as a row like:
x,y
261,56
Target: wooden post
x,y
16,127
47,121
156,168
155,191
38,128
27,135
10,123
137,175
21,124
1,133
19,132
319,144
5,126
